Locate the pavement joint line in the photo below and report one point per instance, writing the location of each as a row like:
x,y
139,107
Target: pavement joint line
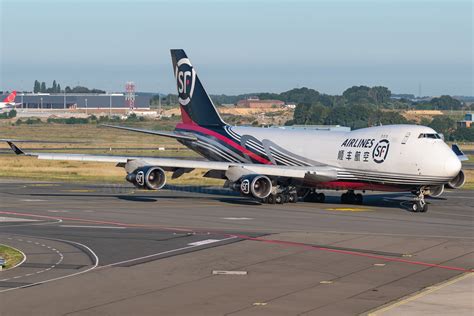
x,y
418,294
246,237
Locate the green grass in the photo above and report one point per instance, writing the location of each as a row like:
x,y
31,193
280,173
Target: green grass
x,y
11,255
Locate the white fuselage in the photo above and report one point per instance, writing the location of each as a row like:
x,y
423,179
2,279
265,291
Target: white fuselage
x,y
384,154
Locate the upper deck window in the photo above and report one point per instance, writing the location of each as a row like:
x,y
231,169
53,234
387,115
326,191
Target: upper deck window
x,y
430,135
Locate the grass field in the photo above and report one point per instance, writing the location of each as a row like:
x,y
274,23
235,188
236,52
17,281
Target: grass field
x,y
12,256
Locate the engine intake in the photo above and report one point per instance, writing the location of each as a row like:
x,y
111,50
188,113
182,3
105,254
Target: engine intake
x,y
258,186
458,181
436,190
149,178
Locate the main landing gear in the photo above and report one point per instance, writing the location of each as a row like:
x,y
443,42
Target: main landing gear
x,y
315,197
281,196
419,204
351,198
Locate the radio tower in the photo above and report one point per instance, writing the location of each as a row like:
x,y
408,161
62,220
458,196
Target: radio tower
x,y
130,95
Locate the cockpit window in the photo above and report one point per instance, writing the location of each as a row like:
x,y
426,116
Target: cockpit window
x,y
430,135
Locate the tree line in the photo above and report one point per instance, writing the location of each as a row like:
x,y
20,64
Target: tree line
x,y
40,87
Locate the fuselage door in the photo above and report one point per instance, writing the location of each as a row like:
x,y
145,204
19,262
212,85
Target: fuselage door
x,y
405,139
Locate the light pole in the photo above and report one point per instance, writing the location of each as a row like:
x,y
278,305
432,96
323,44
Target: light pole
x,y
41,104
110,105
86,106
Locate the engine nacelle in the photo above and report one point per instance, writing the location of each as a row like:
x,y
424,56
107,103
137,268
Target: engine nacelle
x,y
458,181
436,190
255,185
148,178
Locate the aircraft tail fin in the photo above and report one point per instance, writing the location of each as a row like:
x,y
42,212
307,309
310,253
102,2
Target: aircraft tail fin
x,y
10,98
196,105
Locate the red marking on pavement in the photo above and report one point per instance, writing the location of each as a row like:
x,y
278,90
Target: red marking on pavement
x,y
246,237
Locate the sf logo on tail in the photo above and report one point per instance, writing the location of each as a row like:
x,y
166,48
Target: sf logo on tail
x,y
380,151
185,79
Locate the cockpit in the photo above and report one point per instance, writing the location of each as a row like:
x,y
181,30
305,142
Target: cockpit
x,y
430,135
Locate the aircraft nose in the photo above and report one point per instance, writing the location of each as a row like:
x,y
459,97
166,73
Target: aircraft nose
x,y
452,165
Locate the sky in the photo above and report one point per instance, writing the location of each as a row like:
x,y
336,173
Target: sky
x,y
240,46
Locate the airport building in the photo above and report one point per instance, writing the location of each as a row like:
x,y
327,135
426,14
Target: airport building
x,y
80,101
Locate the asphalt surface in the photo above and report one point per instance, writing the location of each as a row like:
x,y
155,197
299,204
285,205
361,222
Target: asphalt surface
x,y
98,249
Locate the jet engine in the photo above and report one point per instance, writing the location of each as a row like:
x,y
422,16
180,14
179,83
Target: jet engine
x,y
255,185
149,178
436,190
458,181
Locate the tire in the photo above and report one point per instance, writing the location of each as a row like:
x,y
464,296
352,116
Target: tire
x,y
425,208
279,199
286,198
416,207
359,199
293,198
271,199
321,197
344,198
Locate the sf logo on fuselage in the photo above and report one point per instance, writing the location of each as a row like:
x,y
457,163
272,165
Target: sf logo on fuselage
x,y
185,79
380,151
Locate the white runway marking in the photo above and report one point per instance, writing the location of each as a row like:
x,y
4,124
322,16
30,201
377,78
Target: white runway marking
x,y
237,218
203,242
31,200
101,227
218,272
157,254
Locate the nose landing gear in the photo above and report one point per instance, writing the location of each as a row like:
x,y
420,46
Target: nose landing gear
x,y
419,204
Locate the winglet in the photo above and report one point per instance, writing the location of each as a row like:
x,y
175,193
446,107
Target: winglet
x,y
17,150
459,152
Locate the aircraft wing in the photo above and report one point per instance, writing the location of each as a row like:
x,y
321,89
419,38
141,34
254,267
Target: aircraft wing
x,y
158,133
232,171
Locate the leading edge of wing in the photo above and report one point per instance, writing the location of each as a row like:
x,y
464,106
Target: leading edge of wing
x,y
316,173
157,133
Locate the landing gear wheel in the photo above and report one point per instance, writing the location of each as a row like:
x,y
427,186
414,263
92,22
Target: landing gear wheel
x,y
418,206
279,199
425,208
359,199
271,199
286,198
293,198
343,198
321,198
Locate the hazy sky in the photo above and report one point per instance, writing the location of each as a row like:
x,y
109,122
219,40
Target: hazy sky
x,y
240,46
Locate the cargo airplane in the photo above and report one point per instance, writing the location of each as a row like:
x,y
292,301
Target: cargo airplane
x,y
279,165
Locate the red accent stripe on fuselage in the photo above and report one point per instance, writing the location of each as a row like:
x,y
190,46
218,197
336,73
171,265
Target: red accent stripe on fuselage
x,y
226,140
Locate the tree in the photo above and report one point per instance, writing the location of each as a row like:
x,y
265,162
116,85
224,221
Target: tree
x,y
37,87
58,88
445,102
43,87
443,124
55,87
67,89
380,94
